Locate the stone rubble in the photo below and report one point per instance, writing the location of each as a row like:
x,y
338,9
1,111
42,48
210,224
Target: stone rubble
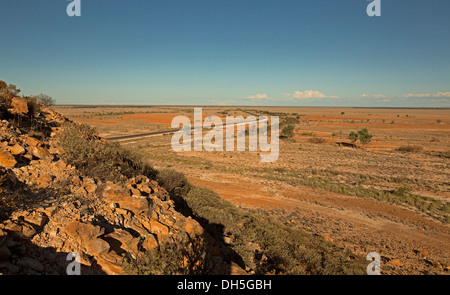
x,y
64,212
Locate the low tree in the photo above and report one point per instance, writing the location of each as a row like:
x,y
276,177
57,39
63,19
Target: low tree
x,y
45,100
363,135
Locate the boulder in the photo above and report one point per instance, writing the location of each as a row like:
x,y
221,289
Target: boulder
x,y
157,228
41,153
7,160
31,141
43,180
114,193
37,219
150,242
395,262
110,263
28,231
193,228
11,226
17,150
96,246
122,241
83,231
88,235
144,188
89,185
235,269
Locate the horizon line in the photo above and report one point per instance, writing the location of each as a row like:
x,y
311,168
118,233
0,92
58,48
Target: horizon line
x,y
244,106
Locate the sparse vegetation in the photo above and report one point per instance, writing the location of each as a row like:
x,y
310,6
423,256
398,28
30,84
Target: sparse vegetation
x,y
10,196
401,196
286,251
185,257
173,181
287,126
318,140
403,187
410,149
83,149
8,91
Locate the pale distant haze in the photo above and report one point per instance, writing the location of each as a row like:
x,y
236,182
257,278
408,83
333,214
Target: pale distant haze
x,y
229,52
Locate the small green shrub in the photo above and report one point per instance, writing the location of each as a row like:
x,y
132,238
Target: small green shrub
x,y
287,131
364,136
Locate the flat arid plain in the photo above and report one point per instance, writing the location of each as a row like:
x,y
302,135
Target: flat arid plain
x,y
389,196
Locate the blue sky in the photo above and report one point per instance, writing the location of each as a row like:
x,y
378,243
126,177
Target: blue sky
x,y
229,52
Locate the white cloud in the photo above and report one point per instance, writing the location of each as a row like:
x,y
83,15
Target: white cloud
x,y
417,95
258,96
441,94
437,94
373,95
308,95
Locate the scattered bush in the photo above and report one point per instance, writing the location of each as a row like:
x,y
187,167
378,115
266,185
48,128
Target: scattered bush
x,y
185,257
34,107
173,181
287,131
409,149
317,140
8,91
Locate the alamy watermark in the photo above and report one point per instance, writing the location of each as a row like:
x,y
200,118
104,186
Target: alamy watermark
x,y
74,267
74,8
374,268
374,8
235,127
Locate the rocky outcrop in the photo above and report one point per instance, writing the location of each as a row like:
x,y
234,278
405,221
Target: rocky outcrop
x,y
62,211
